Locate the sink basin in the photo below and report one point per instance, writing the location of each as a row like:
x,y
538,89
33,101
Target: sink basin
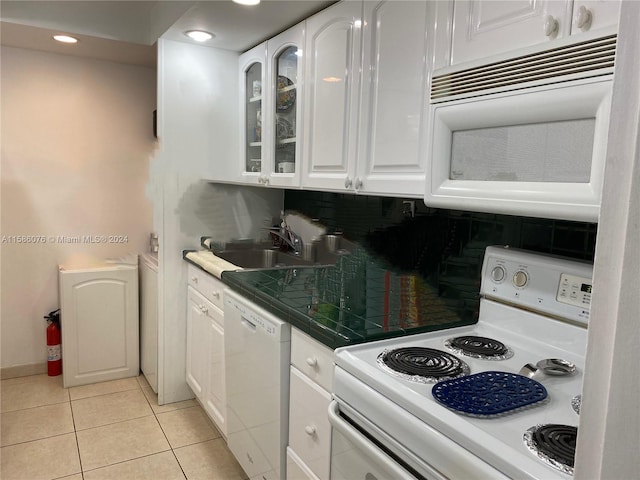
x,y
262,258
325,252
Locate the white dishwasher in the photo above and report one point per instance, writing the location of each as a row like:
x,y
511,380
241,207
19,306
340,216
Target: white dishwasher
x,y
257,351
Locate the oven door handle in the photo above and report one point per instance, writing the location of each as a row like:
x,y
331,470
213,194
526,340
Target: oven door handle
x,y
365,446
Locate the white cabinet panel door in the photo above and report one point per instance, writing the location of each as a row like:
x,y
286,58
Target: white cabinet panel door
x,y
215,395
482,28
197,340
253,154
100,328
590,15
393,91
332,48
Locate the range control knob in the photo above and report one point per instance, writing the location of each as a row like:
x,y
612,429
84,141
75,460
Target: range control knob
x,y
497,274
520,279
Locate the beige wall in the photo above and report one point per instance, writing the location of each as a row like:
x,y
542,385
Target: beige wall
x,y
76,145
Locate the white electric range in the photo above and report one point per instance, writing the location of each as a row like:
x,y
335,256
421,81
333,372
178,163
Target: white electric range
x,y
420,406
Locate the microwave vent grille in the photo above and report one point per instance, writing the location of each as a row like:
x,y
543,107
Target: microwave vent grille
x,y
585,59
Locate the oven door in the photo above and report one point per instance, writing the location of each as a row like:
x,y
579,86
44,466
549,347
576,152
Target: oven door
x,y
354,456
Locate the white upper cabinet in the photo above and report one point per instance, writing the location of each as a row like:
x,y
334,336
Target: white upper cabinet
x,y
590,15
285,58
271,114
482,28
392,115
252,79
331,100
366,73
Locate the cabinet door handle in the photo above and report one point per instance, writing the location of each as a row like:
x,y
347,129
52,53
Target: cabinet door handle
x,y
310,430
312,362
217,295
551,26
348,182
358,184
583,18
194,279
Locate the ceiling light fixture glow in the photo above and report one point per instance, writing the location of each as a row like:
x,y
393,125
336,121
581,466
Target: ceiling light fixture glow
x,y
199,35
65,39
247,2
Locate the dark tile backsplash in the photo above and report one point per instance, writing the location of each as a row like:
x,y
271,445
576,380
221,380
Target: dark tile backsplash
x,y
441,248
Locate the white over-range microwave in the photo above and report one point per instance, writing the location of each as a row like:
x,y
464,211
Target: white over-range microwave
x,y
523,136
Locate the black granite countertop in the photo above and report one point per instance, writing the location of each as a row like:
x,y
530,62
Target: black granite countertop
x,y
355,301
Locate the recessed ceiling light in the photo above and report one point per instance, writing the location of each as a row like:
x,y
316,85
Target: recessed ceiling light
x,y
247,2
199,35
65,39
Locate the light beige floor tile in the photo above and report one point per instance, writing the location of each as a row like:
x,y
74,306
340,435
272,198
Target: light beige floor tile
x,y
103,388
209,460
26,379
161,466
77,476
120,442
35,423
186,426
105,409
40,390
167,407
42,459
142,381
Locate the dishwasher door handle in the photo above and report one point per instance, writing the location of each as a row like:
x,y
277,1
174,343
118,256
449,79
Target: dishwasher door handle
x,y
248,324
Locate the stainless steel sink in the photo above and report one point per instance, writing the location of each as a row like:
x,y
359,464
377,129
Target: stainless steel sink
x,y
324,252
262,258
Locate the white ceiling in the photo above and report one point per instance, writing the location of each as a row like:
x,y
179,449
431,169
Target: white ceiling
x,y
127,30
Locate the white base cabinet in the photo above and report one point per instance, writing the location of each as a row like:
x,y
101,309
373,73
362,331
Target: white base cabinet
x,y
205,345
148,269
99,320
309,450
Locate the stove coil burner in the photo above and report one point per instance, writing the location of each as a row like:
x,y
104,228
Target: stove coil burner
x,y
489,394
554,444
479,347
424,365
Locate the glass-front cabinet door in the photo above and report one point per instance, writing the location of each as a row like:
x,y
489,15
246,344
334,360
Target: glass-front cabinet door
x,y
285,80
252,78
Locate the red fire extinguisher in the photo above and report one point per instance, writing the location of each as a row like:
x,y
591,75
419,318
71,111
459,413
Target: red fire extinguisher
x,y
54,352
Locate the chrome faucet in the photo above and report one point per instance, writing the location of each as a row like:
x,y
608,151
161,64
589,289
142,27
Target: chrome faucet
x,y
284,232
289,237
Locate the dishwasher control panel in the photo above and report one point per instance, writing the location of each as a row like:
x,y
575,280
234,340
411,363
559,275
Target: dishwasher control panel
x,y
251,317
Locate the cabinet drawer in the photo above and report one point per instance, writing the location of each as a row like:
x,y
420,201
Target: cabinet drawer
x,y
207,285
296,469
309,428
312,358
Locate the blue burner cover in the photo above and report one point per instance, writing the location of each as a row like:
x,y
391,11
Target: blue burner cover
x,y
489,393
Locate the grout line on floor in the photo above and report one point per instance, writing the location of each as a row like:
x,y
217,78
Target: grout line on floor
x,y
75,434
127,460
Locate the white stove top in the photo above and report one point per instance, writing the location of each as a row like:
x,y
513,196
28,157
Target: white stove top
x,y
497,441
